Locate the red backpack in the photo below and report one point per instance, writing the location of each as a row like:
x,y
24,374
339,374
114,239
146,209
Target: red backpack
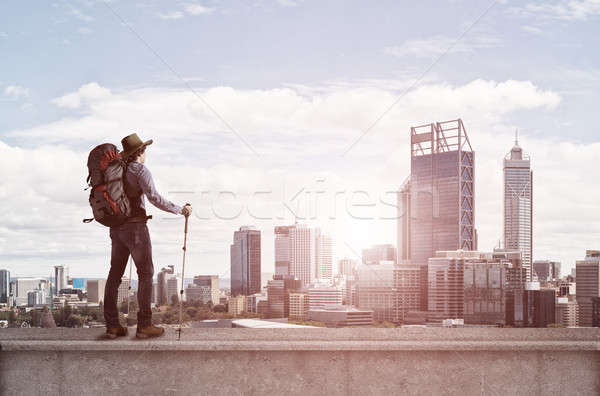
x,y
110,205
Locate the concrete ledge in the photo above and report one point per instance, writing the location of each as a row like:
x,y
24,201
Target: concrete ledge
x,y
303,362
225,346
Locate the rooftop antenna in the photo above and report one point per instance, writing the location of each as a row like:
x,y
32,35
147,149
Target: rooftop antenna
x,y
516,136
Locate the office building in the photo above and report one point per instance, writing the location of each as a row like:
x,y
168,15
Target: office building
x,y
162,297
195,293
24,286
245,255
341,316
299,305
253,302
518,205
567,312
173,287
472,285
320,295
123,291
324,257
436,203
596,312
95,290
278,290
378,253
388,290
212,283
303,252
36,298
60,278
588,285
347,267
236,305
487,281
79,283
532,307
4,286
546,270
283,250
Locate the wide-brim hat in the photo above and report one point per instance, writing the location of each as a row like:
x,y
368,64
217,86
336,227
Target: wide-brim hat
x,y
131,144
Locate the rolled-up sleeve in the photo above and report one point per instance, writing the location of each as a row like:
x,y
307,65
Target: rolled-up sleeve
x,y
147,185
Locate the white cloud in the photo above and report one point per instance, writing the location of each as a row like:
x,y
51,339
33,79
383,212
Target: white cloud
x,y
300,137
77,13
84,30
16,91
287,3
567,10
197,9
171,15
438,45
3,35
532,29
86,93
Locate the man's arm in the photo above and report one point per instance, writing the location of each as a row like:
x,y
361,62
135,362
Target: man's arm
x,y
147,185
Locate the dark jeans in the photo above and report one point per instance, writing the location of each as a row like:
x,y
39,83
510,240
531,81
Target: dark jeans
x,y
134,239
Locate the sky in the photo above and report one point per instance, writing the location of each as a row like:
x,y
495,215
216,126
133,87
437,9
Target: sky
x,y
262,112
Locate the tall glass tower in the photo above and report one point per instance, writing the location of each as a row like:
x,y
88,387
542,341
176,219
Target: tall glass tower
x,y
245,262
437,202
518,204
4,286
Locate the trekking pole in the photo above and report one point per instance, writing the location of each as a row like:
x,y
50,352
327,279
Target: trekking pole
x,y
129,290
182,277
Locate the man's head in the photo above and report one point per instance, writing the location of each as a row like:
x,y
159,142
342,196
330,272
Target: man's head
x,y
134,149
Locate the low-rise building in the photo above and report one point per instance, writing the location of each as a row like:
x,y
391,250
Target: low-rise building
x,y
236,305
341,316
567,312
299,305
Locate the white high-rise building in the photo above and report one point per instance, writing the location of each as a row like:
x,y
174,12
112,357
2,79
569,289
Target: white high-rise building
x,y
60,278
324,269
303,252
123,291
518,205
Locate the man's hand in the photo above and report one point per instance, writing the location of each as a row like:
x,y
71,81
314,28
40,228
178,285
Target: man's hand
x,y
186,210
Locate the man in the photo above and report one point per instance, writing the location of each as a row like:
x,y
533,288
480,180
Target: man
x,y
132,238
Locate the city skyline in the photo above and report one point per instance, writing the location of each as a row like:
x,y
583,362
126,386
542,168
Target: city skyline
x,y
302,123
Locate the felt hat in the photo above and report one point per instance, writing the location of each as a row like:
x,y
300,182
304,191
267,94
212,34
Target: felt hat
x,y
131,144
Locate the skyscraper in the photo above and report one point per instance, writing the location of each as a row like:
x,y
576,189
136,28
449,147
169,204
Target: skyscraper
x,y
245,262
282,250
324,262
437,203
60,278
588,285
518,204
303,252
4,286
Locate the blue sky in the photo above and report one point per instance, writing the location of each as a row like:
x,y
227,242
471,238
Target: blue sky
x,y
299,81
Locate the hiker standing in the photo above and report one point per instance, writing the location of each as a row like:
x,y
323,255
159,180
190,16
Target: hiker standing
x,y
132,238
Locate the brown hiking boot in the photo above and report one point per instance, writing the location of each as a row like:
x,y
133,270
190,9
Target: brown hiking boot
x,y
149,332
113,332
